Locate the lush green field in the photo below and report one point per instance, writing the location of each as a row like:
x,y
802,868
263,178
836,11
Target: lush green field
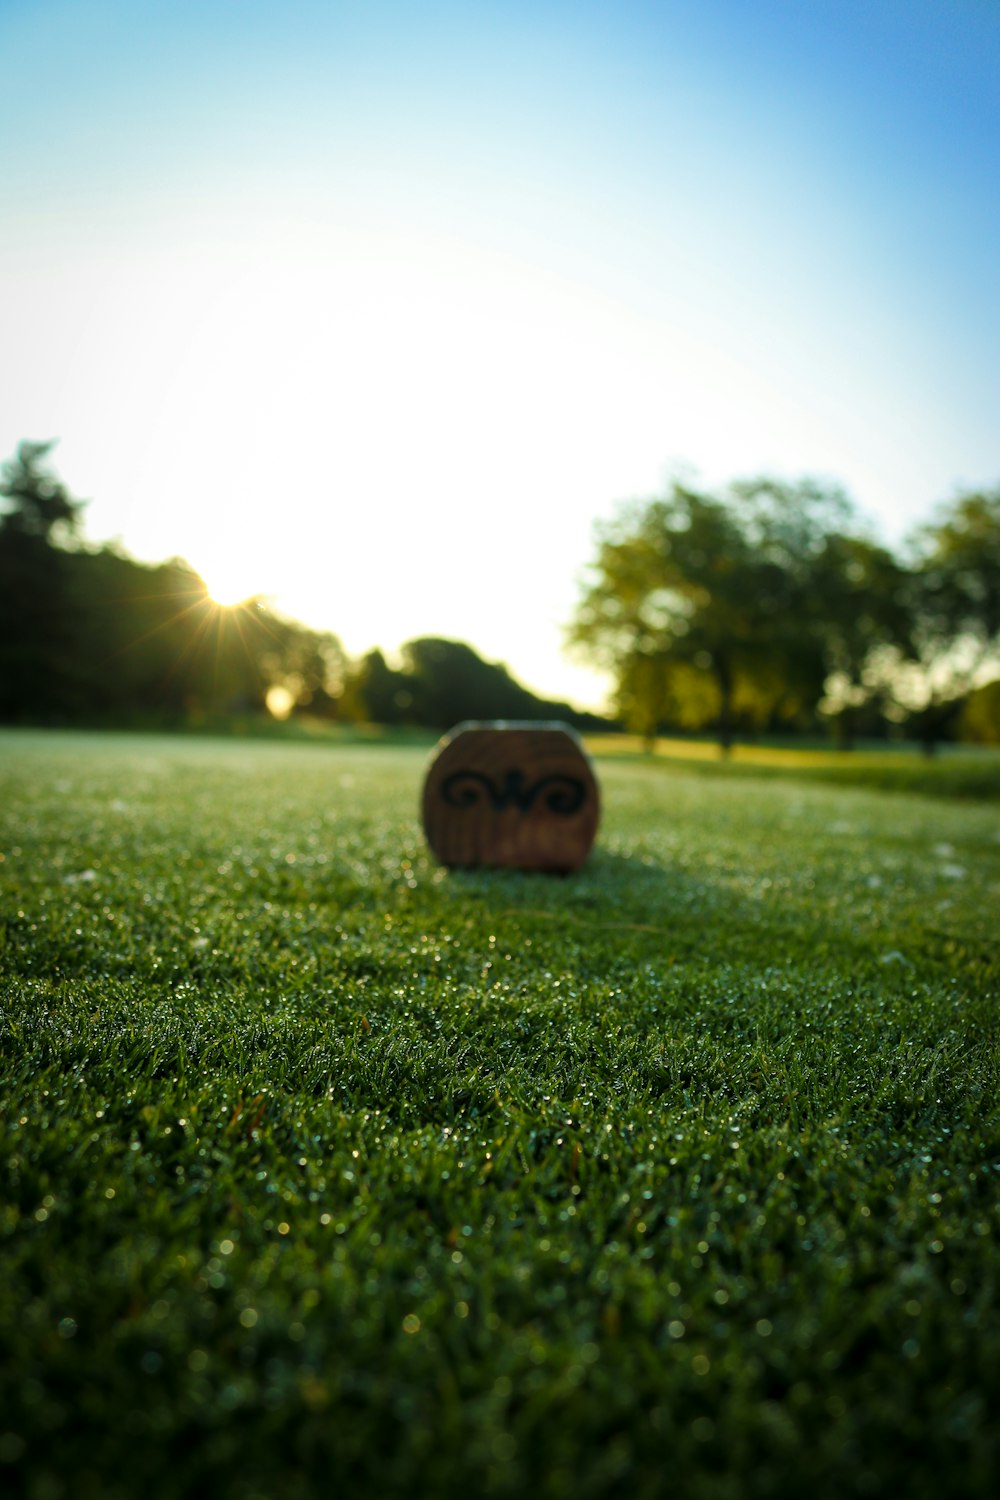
x,y
324,1171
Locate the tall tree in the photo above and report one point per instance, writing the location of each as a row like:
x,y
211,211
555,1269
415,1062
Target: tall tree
x,y
38,522
38,505
722,589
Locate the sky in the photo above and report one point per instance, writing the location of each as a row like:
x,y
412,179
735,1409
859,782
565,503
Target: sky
x,y
375,308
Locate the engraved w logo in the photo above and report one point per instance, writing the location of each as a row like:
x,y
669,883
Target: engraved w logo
x,y
561,794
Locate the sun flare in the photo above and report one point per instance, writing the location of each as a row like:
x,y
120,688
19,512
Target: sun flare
x,y
229,581
227,598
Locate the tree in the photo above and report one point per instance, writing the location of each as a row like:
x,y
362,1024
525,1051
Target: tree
x,y
449,681
310,665
37,619
377,694
152,647
792,530
38,504
696,599
443,682
138,639
664,590
953,586
861,608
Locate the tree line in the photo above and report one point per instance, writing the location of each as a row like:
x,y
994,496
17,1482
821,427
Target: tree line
x,y
88,635
768,607
765,607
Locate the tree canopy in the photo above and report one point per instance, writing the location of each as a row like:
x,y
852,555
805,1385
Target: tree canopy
x,y
769,606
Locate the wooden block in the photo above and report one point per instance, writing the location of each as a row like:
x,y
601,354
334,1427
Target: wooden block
x,y
516,795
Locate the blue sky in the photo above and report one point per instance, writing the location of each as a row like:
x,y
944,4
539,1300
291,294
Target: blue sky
x,y
375,308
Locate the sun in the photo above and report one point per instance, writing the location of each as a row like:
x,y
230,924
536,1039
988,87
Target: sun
x,y
230,582
228,598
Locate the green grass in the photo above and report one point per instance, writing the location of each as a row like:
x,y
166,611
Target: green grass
x,y
954,771
325,1171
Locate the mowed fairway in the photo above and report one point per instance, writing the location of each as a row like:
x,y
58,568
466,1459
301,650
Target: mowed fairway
x,y
326,1172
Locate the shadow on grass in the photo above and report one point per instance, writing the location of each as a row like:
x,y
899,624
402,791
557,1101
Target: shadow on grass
x,y
634,909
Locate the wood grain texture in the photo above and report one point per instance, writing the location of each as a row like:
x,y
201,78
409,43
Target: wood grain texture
x,y
520,796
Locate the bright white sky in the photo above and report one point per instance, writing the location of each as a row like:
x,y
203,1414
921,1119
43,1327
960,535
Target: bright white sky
x,y
374,307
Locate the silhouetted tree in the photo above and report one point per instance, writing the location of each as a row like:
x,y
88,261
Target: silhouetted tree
x,y
377,694
139,634
38,505
37,616
443,682
450,682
